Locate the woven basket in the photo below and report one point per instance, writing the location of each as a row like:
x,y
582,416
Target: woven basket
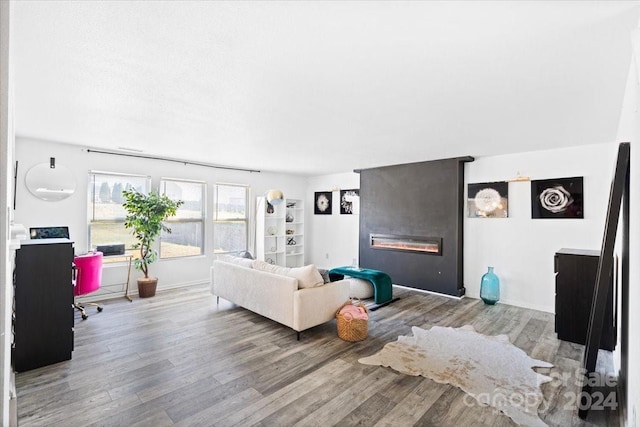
x,y
352,329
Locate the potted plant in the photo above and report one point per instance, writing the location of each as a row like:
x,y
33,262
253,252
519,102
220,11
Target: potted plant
x,y
145,213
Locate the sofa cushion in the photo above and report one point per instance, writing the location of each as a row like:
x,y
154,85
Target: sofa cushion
x,y
243,262
257,264
308,276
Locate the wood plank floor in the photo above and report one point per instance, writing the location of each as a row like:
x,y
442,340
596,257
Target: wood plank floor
x,y
178,359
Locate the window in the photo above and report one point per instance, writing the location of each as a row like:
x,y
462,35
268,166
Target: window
x,y
231,218
106,214
187,226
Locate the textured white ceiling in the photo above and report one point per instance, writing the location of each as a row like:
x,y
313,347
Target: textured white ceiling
x,y
321,87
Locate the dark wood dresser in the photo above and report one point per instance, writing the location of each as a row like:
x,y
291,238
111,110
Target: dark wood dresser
x,y
43,298
576,271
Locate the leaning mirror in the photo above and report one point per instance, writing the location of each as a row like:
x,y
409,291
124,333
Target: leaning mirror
x,y
50,183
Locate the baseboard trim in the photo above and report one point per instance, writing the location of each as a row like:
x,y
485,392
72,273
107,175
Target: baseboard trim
x,y
107,294
503,301
429,292
536,307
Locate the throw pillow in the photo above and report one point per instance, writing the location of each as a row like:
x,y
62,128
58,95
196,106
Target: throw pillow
x,y
325,275
308,276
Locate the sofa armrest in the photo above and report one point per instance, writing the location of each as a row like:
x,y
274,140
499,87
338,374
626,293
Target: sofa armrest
x,y
314,306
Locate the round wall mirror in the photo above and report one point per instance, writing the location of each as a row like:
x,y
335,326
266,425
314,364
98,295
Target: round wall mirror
x,y
51,184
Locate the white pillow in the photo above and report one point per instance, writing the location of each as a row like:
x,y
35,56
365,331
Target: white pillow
x,y
308,276
243,262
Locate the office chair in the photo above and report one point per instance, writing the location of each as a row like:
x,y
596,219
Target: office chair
x,y
87,279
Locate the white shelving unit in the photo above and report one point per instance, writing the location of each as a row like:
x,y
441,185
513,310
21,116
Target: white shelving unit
x,y
280,234
294,232
270,237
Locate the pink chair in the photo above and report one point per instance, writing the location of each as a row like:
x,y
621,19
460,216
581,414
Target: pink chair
x,y
88,276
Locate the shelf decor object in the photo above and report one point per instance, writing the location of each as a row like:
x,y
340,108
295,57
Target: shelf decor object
x,y
280,232
275,197
490,287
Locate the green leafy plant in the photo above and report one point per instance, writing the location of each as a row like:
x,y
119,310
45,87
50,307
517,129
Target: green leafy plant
x,y
145,213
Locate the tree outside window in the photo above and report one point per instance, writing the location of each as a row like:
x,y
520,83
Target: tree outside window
x,y
105,212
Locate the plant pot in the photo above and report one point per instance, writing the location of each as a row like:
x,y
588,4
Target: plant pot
x,y
147,286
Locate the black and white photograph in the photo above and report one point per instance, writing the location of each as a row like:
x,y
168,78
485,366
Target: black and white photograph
x,y
350,202
557,198
322,203
488,200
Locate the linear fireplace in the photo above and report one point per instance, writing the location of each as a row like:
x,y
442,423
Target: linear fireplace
x,y
421,201
424,245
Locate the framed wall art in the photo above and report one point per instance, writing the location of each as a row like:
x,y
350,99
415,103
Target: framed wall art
x,y
322,203
557,198
350,202
488,200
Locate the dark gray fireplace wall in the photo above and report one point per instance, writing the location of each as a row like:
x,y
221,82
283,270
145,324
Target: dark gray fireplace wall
x,y
415,199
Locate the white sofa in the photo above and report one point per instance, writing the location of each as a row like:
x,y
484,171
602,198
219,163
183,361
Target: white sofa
x,y
277,296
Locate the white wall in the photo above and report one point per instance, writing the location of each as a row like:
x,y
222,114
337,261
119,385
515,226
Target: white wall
x,y
332,240
629,130
31,211
521,249
6,178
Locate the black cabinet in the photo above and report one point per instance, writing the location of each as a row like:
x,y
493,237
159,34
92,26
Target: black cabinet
x,y
576,271
43,311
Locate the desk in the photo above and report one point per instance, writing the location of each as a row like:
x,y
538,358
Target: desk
x,y
128,257
382,289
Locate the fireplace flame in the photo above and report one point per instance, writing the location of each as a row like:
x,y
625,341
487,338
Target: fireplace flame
x,y
426,245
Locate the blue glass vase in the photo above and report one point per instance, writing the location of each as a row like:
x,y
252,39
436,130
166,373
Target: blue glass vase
x,y
490,287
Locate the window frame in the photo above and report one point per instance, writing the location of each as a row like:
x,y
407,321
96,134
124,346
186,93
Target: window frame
x,y
246,219
91,205
202,219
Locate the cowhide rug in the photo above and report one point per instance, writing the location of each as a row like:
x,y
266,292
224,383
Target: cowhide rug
x,y
489,368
